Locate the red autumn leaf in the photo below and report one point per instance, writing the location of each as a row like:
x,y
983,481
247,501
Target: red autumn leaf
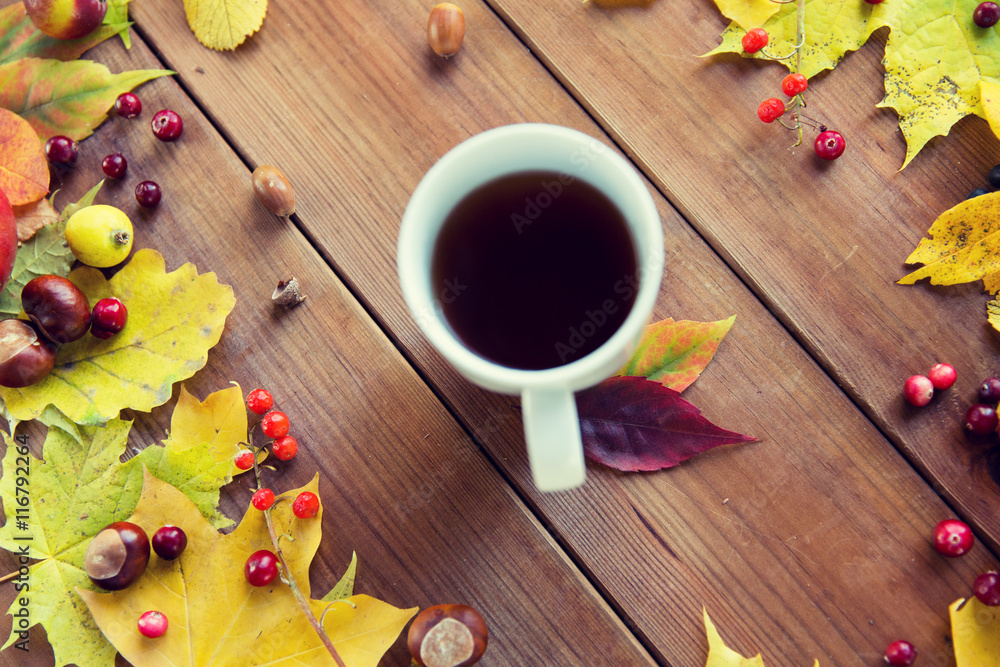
x,y
675,353
19,38
633,424
24,172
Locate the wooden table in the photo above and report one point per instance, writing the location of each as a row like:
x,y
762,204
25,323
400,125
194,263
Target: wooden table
x,y
812,543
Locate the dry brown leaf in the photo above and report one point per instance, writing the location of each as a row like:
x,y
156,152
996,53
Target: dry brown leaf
x,y
32,217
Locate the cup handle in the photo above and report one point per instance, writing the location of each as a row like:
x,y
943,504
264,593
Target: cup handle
x,y
552,433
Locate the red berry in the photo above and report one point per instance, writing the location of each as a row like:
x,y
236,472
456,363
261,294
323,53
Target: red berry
x,y
285,448
793,84
986,15
152,624
770,109
259,401
261,568
987,589
148,194
874,2
981,419
262,499
754,40
244,460
942,376
61,150
108,317
169,542
128,105
830,145
901,654
953,538
274,424
989,391
167,125
918,390
114,165
305,505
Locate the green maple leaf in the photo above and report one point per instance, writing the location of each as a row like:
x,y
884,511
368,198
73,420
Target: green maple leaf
x,y
80,487
65,98
937,61
173,320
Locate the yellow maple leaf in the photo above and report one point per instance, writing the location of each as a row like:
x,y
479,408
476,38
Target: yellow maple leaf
x,y
220,421
224,24
991,283
748,14
173,320
993,314
720,655
217,618
989,97
964,244
975,630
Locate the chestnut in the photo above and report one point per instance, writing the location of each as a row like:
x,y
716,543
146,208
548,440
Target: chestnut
x,y
117,556
25,357
447,635
58,307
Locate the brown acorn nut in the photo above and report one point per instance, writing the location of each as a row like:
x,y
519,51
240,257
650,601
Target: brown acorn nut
x,y
25,357
58,307
447,635
117,556
446,29
273,190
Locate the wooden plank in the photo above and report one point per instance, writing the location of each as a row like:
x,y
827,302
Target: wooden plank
x,y
430,518
821,243
822,548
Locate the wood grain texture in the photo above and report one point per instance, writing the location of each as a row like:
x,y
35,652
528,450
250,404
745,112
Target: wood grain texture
x,y
431,519
821,243
811,543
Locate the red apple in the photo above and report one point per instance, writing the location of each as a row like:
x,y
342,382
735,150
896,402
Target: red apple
x,y
66,19
8,239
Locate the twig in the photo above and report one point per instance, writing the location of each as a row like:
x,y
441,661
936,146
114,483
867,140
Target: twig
x,y
288,578
8,577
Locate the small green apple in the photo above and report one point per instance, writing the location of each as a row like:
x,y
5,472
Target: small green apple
x,y
66,19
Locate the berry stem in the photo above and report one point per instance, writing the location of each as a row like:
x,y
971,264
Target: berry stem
x,y
800,39
286,572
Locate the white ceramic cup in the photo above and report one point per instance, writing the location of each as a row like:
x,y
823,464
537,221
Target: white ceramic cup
x,y
551,423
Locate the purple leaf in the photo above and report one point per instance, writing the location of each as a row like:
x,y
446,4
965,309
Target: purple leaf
x,y
633,424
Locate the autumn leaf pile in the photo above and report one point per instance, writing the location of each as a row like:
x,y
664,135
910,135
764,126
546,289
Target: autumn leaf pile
x,y
939,66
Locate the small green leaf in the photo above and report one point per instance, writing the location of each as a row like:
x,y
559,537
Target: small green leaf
x,y
675,353
118,15
85,200
344,587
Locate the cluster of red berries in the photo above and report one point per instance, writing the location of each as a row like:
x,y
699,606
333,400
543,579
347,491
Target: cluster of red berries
x,y
273,424
167,126
918,390
952,538
830,144
261,568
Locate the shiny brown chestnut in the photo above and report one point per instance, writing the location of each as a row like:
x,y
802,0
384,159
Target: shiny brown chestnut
x,y
58,307
447,635
117,556
25,357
